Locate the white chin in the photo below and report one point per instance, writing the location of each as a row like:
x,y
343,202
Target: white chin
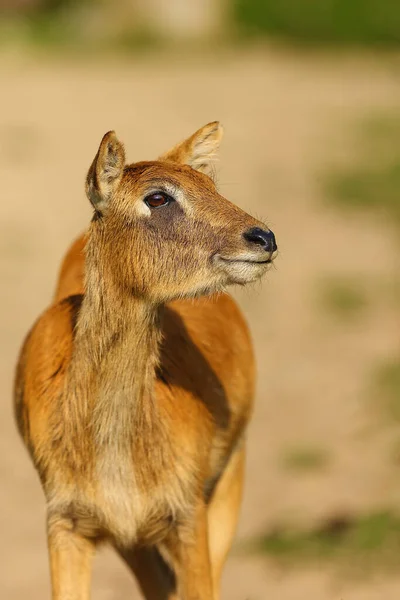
x,y
244,272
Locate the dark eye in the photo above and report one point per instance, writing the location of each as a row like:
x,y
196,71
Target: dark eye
x,y
158,199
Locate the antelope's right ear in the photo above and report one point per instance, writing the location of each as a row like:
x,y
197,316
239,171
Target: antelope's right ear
x,y
105,172
199,150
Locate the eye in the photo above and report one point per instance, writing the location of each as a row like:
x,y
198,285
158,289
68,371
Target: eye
x,y
158,199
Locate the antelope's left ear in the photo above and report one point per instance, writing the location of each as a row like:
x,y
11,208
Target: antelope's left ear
x,y
105,172
199,150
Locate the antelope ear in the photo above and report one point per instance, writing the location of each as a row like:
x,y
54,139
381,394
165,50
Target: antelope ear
x,y
199,149
105,172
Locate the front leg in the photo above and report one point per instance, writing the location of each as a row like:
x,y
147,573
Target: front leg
x,y
188,549
71,556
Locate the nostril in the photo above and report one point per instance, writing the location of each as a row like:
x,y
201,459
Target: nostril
x,y
255,236
263,238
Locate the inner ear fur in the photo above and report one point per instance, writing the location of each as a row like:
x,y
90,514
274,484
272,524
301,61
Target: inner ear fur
x,y
199,150
105,171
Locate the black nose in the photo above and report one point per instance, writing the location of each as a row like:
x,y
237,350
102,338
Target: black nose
x,y
266,239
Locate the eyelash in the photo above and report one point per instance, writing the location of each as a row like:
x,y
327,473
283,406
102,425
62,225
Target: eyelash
x,y
154,197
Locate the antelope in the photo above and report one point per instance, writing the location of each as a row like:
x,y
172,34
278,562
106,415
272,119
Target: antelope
x,y
134,388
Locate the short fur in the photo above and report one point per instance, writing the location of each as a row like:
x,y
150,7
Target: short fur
x,y
133,391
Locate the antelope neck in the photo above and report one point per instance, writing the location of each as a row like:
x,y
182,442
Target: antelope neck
x,y
115,355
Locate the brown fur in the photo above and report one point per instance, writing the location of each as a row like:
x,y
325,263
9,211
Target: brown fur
x,y
132,391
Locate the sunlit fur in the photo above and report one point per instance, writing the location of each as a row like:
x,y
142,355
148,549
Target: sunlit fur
x,y
133,390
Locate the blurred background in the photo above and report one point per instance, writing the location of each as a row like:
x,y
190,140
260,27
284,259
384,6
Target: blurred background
x,y
308,92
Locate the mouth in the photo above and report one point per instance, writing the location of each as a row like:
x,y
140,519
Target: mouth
x,y
248,261
268,261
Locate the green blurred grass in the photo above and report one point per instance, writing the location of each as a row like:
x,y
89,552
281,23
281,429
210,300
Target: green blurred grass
x,y
362,22
319,22
371,182
370,186
343,297
370,540
386,390
304,459
77,26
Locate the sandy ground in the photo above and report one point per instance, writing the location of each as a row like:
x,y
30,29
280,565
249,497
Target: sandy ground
x,y
286,117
